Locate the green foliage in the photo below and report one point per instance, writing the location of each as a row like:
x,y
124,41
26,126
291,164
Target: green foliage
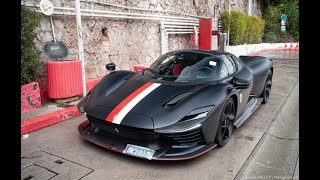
x,y
243,28
255,28
238,27
264,4
30,61
270,37
272,27
277,37
271,13
224,19
293,19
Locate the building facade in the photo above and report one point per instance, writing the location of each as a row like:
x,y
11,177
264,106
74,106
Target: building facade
x,y
125,42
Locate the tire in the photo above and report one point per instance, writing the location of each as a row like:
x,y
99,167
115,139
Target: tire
x,y
267,88
225,125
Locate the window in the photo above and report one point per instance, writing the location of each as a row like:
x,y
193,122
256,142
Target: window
x,y
231,66
223,71
167,59
235,59
187,67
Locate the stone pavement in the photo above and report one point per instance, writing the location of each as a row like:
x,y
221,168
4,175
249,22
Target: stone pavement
x,y
43,165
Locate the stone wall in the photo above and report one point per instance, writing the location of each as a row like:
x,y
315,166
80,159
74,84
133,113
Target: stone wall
x,y
124,42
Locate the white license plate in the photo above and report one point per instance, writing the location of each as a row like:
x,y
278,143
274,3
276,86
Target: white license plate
x,y
139,151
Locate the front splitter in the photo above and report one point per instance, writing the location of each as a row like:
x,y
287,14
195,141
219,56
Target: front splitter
x,y
167,154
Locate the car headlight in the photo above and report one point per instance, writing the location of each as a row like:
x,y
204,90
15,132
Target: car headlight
x,y
198,113
191,121
195,116
81,104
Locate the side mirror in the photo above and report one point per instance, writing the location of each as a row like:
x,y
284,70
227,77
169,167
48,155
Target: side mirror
x,y
111,67
241,83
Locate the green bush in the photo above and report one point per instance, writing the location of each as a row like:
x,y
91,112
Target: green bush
x,y
293,19
30,61
271,13
272,18
255,29
224,19
270,37
243,28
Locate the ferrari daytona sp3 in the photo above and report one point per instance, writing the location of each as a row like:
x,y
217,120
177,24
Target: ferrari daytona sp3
x,y
185,104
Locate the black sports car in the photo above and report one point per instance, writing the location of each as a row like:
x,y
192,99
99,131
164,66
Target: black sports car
x,y
185,104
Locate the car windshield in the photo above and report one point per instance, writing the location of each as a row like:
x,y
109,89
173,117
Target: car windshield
x,y
185,67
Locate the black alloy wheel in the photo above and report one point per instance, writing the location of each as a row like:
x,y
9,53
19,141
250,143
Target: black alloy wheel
x,y
267,88
225,125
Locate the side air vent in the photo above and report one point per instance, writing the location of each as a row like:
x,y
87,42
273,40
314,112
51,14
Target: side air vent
x,y
188,138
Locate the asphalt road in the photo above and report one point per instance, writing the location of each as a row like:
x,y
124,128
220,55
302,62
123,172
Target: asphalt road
x,y
265,147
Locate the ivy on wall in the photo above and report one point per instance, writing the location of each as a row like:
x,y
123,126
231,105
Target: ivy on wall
x,y
30,61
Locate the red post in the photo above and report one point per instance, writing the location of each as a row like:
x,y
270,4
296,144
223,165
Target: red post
x,y
205,34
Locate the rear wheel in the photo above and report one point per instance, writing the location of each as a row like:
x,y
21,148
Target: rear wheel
x,y
225,125
267,88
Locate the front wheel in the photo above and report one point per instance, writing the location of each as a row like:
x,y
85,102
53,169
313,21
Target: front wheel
x,y
225,125
267,88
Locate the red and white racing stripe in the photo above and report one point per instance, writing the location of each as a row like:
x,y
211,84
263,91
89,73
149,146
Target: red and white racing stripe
x,y
119,112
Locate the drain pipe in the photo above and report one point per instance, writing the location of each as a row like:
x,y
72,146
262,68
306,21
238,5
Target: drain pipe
x,y
164,47
143,9
52,28
182,23
111,14
173,18
179,32
173,21
174,28
115,16
249,7
185,25
80,45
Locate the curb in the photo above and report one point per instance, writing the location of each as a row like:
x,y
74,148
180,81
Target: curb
x,y
43,121
272,50
33,124
39,122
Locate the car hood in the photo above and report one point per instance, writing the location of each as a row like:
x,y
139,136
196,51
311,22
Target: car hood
x,y
136,101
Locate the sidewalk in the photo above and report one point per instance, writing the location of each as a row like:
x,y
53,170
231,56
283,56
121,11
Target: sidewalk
x,y
51,113
48,114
